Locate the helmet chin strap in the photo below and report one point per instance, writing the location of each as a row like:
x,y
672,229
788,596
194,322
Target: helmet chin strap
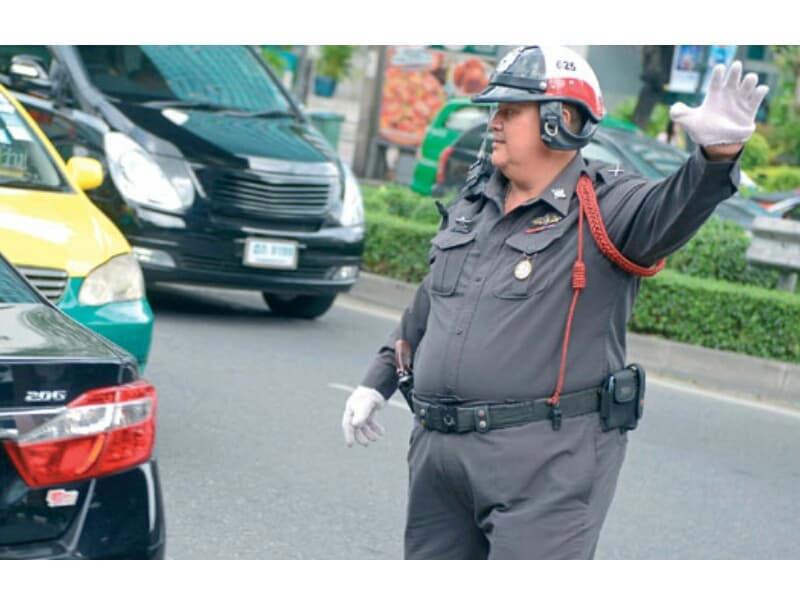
x,y
555,134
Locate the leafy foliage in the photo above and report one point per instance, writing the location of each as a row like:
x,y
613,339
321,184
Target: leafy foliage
x,y
719,314
718,251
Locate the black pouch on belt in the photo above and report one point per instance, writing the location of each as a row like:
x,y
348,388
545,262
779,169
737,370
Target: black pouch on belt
x,y
622,399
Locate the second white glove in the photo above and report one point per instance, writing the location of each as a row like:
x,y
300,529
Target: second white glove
x,y
727,115
358,421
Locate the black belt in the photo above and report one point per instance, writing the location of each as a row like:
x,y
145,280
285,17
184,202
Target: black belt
x,y
483,418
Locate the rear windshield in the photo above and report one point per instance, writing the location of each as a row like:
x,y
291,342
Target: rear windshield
x,y
13,289
24,162
664,159
231,77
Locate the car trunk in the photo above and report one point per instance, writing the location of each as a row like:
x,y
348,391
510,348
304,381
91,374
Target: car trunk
x,y
46,361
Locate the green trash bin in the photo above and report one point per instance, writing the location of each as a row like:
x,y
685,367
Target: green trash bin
x,y
328,124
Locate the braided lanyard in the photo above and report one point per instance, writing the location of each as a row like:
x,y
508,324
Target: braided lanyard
x,y
588,205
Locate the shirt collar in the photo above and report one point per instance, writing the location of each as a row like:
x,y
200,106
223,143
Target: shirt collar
x,y
558,194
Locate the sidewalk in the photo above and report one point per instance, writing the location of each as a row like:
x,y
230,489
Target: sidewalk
x,y
747,377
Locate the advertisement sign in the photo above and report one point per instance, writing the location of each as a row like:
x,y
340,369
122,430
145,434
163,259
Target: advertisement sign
x,y
419,80
688,62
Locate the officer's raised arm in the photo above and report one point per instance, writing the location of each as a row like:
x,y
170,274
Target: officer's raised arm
x,y
653,219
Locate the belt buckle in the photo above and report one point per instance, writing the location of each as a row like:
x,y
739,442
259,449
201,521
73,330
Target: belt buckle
x,y
449,418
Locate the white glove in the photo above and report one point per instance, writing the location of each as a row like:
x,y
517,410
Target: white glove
x,y
357,421
727,115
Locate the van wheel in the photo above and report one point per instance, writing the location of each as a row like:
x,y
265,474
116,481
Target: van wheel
x,y
299,307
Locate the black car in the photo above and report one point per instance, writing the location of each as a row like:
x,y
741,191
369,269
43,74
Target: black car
x,y
628,150
217,177
77,430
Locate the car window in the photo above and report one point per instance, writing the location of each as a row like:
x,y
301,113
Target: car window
x,y
472,139
13,290
664,159
596,151
464,118
227,76
24,161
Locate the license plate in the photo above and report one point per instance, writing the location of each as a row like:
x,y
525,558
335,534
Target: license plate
x,y
270,254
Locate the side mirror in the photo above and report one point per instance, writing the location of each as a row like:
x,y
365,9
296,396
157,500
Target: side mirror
x,y
87,173
29,71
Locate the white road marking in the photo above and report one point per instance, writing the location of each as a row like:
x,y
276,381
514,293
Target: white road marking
x,y
689,388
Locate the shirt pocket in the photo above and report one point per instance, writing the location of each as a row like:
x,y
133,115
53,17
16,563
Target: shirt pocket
x,y
449,253
516,249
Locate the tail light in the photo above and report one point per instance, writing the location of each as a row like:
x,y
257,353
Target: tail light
x,y
442,170
101,432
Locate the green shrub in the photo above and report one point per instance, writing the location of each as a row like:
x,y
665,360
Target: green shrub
x,y
397,247
718,251
776,179
721,315
401,201
756,152
659,118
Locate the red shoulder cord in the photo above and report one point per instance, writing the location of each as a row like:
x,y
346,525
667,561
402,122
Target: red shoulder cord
x,y
588,205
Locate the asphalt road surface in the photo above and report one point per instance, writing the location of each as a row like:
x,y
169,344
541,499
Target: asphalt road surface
x,y
253,464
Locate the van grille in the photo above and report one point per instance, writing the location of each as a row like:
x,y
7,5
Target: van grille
x,y
244,194
50,282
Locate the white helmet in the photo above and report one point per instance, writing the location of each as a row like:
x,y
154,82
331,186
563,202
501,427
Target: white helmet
x,y
549,75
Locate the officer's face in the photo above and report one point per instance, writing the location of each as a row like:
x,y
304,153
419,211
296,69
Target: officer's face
x,y
516,137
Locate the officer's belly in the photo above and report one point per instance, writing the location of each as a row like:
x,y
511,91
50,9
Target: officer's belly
x,y
511,350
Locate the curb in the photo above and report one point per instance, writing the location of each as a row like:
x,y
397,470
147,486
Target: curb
x,y
754,378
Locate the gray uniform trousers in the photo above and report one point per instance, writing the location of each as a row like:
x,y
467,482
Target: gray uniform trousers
x,y
524,492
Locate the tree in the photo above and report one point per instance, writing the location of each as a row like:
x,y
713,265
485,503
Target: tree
x,y
784,109
656,63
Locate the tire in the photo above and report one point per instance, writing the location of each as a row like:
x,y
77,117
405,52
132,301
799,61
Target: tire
x,y
299,307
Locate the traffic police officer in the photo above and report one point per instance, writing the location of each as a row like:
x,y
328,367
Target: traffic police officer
x,y
521,396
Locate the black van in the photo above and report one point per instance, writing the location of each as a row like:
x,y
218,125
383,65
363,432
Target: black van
x,y
216,176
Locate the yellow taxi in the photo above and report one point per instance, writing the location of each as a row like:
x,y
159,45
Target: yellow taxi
x,y
62,243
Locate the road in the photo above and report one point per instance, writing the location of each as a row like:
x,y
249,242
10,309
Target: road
x,y
253,465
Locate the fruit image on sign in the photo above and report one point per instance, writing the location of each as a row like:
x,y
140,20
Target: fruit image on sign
x,y
412,95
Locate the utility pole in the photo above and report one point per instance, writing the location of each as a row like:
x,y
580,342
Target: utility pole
x,y
369,113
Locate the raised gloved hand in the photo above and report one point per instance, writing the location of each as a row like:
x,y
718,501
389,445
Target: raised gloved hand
x,y
727,115
358,422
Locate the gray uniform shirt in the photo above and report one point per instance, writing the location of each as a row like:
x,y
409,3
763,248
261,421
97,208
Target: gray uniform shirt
x,y
480,334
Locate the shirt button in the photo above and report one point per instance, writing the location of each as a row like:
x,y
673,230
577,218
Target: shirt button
x,y
478,279
459,331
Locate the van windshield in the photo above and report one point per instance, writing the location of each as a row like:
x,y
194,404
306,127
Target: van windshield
x,y
224,77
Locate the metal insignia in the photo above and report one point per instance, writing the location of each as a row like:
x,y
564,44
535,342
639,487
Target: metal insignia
x,y
559,193
546,220
523,269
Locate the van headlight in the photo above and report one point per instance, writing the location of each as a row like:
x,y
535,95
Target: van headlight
x,y
165,185
117,280
352,204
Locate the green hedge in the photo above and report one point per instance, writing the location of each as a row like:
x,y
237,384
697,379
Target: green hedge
x,y
721,315
776,179
397,247
719,251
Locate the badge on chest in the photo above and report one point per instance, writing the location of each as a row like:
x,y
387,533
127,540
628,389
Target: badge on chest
x,y
523,269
